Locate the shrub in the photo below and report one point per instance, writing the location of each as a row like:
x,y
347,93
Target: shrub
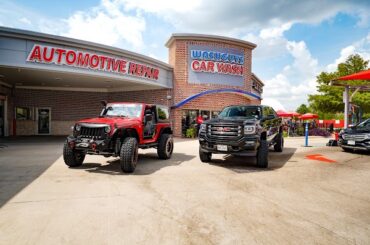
x,y
318,132
191,133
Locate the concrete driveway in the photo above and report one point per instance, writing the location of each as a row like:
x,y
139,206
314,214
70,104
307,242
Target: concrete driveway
x,y
183,201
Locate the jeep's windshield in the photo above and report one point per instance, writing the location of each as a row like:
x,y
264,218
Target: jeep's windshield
x,y
122,110
246,112
364,125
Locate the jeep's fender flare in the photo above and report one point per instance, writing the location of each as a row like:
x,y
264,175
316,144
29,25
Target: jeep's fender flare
x,y
166,130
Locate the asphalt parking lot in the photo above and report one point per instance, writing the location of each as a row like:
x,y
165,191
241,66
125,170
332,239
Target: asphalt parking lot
x,y
309,195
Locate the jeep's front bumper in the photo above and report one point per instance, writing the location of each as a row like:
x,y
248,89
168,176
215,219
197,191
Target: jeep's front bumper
x,y
91,146
243,145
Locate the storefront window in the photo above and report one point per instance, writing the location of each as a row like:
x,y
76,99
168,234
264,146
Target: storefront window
x,y
215,114
23,113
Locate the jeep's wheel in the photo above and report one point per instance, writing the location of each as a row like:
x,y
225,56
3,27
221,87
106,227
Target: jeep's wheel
x,y
262,155
205,156
72,158
129,154
165,146
279,142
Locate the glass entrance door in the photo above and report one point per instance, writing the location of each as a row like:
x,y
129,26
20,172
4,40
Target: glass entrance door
x,y
43,120
2,116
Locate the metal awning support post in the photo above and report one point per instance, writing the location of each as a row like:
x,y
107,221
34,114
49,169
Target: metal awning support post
x,y
346,105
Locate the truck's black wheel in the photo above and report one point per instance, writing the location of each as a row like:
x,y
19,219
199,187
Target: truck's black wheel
x,y
165,146
262,155
205,156
72,158
279,143
129,154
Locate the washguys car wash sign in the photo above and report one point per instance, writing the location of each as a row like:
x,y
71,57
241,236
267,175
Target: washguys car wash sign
x,y
209,64
87,60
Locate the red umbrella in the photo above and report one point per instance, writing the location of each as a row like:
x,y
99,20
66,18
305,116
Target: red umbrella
x,y
362,75
295,114
282,113
308,116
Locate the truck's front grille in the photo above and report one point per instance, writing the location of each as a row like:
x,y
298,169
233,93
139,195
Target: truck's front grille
x,y
93,133
224,131
355,137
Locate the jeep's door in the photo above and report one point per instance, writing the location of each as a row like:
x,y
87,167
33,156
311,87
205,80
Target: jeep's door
x,y
150,124
271,123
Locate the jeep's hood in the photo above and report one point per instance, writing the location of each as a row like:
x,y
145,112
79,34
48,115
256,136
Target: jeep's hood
x,y
232,120
119,121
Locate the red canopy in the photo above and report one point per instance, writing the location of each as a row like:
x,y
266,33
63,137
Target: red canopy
x,y
282,113
362,75
295,114
308,116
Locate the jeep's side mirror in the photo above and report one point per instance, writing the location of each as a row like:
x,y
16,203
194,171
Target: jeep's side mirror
x,y
104,103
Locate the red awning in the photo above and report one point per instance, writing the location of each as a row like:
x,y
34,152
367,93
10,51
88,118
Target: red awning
x,y
308,116
363,75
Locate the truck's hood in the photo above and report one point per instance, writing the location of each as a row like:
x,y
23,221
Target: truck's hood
x,y
112,121
232,120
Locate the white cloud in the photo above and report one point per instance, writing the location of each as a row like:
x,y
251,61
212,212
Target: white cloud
x,y
361,47
274,103
292,85
25,21
108,25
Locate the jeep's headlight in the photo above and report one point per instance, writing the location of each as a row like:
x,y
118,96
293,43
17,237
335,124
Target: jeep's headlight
x,y
249,129
202,128
107,129
78,127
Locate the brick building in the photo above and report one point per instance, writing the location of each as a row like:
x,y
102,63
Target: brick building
x,y
48,82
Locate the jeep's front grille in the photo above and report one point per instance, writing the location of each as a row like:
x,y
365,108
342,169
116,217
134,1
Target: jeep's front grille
x,y
224,131
96,133
355,137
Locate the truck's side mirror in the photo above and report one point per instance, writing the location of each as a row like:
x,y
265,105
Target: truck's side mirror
x,y
269,117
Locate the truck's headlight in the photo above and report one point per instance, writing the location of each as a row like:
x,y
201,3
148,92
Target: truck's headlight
x,y
367,136
107,129
249,129
202,128
78,127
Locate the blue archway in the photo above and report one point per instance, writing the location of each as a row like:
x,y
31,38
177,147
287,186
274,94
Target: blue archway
x,y
224,90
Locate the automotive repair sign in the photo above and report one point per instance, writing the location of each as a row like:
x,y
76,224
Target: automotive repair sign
x,y
216,65
93,61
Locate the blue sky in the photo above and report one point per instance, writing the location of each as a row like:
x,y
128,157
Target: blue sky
x,y
295,40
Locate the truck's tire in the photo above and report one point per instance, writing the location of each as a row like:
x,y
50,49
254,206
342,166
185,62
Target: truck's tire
x,y
205,156
279,143
71,157
165,146
129,154
262,155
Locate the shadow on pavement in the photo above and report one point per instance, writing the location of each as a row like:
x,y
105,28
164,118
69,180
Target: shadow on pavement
x,y
24,159
147,164
247,164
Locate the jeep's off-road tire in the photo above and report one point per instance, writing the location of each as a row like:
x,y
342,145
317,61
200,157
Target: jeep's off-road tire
x,y
165,146
72,158
279,142
262,155
129,154
205,156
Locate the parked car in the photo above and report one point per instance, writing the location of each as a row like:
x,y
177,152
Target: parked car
x,y
356,137
247,130
119,131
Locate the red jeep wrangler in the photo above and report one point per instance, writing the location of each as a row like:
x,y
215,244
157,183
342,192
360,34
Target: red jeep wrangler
x,y
120,130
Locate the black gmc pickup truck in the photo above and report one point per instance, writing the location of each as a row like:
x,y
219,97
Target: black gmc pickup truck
x,y
247,130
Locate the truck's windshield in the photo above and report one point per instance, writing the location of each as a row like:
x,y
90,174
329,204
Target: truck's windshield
x,y
122,110
241,111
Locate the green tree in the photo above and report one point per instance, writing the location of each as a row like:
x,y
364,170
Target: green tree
x,y
329,99
303,109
